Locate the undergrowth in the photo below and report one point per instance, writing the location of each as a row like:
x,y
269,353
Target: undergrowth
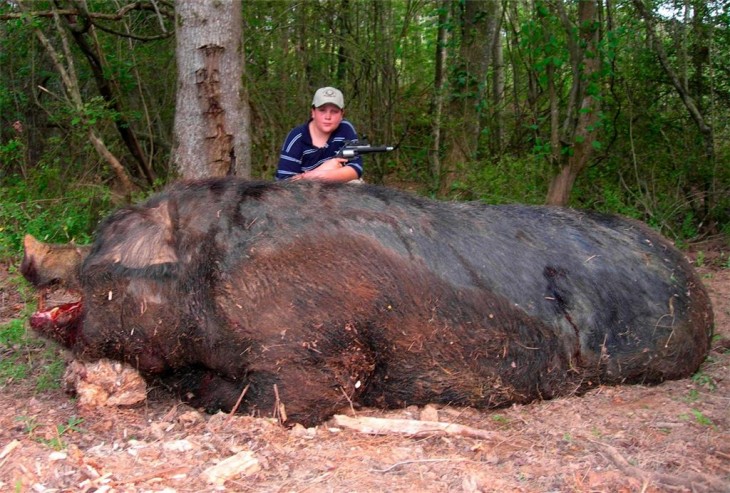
x,y
27,359
48,208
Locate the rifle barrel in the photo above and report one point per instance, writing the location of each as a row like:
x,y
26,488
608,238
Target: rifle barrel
x,y
365,150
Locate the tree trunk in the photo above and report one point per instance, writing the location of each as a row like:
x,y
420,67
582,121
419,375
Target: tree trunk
x,y
212,135
342,53
498,78
583,107
486,112
474,56
437,103
83,31
554,155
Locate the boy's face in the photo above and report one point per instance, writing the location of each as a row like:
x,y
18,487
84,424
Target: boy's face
x,y
327,118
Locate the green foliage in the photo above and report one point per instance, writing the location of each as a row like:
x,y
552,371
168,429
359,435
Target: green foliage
x,y
94,111
653,192
693,396
700,259
71,426
699,418
702,419
31,426
12,369
15,364
49,377
704,380
504,181
649,158
12,333
48,207
25,358
12,153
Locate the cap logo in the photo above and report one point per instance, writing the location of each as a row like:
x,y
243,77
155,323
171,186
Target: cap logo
x,y
328,95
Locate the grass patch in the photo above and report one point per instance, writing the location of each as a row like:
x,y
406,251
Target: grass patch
x,y
28,360
12,369
704,380
72,426
50,376
699,418
12,333
31,426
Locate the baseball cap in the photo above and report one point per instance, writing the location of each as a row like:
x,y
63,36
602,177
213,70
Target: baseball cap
x,y
328,95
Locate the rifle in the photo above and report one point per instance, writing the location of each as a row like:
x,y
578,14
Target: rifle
x,y
351,150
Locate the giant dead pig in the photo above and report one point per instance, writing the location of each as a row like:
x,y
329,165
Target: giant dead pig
x,y
314,296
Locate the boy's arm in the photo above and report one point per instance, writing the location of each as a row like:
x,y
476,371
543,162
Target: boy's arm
x,y
290,157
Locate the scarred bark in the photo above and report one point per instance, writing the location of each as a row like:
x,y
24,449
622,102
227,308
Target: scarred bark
x,y
211,121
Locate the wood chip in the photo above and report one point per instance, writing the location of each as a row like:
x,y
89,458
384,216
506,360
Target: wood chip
x,y
243,463
9,448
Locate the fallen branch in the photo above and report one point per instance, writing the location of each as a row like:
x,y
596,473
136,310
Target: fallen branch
x,y
385,426
690,479
279,407
419,461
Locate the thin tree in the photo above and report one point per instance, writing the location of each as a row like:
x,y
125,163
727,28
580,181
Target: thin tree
x,y
579,126
471,68
679,83
437,103
81,25
685,88
64,63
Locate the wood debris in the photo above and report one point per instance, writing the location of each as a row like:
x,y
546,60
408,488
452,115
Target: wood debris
x,y
384,426
243,463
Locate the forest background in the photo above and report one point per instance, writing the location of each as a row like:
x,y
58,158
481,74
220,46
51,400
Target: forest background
x,y
617,106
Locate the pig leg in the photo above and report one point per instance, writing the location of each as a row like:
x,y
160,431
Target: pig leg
x,y
325,373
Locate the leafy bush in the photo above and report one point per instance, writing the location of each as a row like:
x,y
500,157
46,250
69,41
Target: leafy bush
x,y
508,180
49,208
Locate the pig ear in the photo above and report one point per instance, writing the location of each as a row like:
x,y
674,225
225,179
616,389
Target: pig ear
x,y
136,239
33,246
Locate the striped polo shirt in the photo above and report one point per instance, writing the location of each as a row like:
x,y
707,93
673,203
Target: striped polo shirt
x,y
298,154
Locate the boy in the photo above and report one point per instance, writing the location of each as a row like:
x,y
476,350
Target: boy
x,y
309,150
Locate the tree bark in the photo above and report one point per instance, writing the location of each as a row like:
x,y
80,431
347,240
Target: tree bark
x,y
498,78
474,58
437,104
583,107
486,108
212,134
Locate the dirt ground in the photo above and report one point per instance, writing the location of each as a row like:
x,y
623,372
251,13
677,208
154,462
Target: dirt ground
x,y
671,437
